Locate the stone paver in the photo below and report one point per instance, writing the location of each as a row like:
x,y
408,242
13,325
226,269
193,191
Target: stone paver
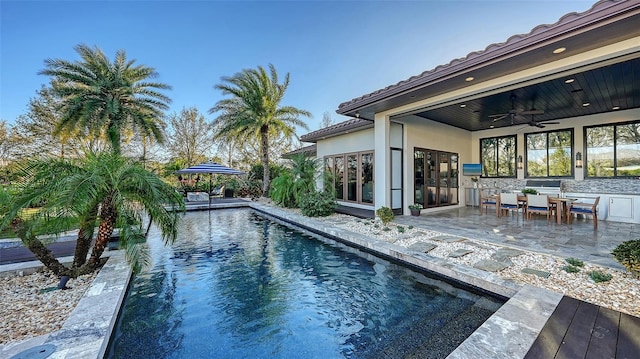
x,y
422,247
460,253
447,239
539,273
491,265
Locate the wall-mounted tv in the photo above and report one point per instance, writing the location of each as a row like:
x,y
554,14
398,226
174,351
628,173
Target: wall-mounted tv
x,y
471,169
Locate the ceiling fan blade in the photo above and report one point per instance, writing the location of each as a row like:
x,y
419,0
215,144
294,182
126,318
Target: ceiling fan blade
x,y
549,123
531,112
500,117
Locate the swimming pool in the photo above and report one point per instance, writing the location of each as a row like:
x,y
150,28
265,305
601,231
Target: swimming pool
x,y
237,285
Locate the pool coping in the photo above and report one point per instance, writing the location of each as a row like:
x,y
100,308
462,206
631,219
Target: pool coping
x,y
508,333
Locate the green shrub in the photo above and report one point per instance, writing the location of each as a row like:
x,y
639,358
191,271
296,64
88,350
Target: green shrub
x,y
628,254
385,214
599,277
571,269
400,229
318,204
410,227
282,190
386,229
575,262
529,191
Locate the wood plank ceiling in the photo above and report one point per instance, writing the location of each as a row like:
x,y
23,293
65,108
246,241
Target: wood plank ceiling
x,y
610,88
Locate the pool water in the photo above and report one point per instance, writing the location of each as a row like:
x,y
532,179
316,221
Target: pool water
x,y
237,285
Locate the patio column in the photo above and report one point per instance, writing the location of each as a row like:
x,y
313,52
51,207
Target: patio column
x,y
382,161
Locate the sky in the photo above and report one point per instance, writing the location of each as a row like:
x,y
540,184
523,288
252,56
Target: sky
x,y
334,51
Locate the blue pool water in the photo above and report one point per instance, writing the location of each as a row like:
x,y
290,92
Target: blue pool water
x,y
237,285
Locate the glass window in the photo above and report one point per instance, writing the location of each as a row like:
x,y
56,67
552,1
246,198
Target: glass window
x,y
339,177
366,180
352,177
613,151
549,154
498,156
329,177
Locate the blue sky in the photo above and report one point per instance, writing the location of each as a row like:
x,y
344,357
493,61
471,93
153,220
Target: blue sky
x,y
334,51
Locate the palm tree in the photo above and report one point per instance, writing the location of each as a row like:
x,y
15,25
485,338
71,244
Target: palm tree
x,y
127,193
105,97
254,111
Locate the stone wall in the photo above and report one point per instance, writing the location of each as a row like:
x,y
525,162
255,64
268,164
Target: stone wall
x,y
608,185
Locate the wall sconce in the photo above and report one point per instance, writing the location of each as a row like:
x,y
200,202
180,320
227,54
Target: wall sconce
x,y
520,162
578,160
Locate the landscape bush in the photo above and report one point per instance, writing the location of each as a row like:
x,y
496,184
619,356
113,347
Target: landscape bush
x,y
628,254
385,214
318,204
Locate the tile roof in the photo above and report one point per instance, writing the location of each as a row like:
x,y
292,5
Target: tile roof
x,y
310,150
334,130
572,21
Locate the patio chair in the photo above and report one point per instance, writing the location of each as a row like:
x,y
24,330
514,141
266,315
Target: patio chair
x,y
589,209
217,191
487,200
538,204
509,202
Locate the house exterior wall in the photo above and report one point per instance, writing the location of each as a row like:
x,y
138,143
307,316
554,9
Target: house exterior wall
x,y
437,136
357,141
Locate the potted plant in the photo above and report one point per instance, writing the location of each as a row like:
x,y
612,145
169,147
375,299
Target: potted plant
x,y
475,181
415,209
529,191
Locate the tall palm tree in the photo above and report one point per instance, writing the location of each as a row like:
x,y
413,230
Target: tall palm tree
x,y
254,111
64,189
107,97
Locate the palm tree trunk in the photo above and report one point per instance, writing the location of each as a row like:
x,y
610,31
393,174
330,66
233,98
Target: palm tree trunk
x,y
36,247
108,217
265,160
85,235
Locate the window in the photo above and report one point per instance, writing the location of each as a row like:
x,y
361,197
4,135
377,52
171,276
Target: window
x,y
351,176
549,154
366,179
498,156
613,150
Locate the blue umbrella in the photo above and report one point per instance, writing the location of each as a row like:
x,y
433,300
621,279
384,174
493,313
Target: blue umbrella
x,y
210,168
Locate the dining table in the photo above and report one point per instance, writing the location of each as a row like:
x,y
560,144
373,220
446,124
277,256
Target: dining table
x,y
562,207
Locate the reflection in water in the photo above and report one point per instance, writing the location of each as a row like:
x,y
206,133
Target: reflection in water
x,y
235,285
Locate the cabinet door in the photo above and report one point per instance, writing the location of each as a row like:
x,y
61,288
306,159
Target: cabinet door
x,y
621,207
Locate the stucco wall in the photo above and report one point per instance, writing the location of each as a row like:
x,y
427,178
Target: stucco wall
x,y
352,142
436,136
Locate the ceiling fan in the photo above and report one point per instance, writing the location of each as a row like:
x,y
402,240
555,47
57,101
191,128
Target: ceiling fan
x,y
513,113
540,124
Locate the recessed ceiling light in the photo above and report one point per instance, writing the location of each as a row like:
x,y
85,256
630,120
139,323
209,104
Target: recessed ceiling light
x,y
586,104
559,50
491,126
469,79
568,81
463,105
615,108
